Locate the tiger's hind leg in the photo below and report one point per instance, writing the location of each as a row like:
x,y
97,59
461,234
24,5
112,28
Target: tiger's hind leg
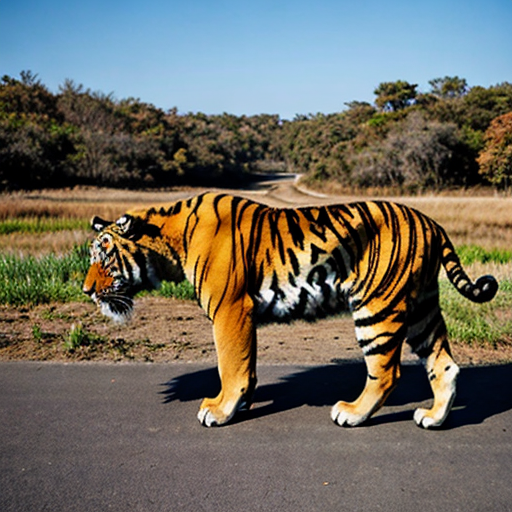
x,y
442,374
381,343
235,340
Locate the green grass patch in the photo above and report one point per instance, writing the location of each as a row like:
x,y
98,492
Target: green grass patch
x,y
37,333
183,290
79,337
33,225
469,254
486,324
30,280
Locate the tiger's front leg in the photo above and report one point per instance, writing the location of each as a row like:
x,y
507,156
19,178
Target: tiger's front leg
x,y
235,341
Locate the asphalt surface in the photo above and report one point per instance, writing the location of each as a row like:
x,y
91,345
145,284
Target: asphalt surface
x,y
124,437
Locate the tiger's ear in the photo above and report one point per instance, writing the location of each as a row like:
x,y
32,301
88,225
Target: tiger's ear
x,y
127,224
99,224
134,228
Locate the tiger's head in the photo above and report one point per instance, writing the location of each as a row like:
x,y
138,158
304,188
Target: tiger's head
x,y
127,256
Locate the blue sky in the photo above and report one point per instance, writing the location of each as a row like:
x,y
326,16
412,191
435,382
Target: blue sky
x,y
281,57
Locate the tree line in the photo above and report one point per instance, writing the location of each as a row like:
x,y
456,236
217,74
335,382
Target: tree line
x,y
450,136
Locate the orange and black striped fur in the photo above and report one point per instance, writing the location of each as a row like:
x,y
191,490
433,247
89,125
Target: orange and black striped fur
x,y
250,263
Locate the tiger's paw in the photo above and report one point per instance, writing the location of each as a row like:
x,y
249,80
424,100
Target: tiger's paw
x,y
424,419
343,415
208,419
213,415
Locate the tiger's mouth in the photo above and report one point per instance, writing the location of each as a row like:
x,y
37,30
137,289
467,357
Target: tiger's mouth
x,y
117,306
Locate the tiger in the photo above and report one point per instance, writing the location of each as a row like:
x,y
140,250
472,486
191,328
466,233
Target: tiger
x,y
251,264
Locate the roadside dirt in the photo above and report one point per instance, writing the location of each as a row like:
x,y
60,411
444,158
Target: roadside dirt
x,y
167,330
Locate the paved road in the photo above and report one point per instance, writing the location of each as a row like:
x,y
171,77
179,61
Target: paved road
x,y
123,437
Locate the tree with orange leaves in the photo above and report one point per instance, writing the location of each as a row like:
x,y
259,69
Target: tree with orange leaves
x,y
495,159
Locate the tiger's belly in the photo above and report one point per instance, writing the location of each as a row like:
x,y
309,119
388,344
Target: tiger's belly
x,y
310,296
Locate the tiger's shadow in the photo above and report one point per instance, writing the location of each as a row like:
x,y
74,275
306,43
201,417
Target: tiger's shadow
x,y
483,391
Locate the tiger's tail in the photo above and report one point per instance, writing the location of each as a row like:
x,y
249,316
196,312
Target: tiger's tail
x,y
482,290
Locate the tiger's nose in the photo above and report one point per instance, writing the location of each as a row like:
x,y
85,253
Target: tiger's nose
x,y
89,289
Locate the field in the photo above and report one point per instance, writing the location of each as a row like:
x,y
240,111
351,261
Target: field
x,y
44,315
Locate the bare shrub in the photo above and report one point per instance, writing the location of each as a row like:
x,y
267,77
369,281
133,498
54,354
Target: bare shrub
x,y
415,155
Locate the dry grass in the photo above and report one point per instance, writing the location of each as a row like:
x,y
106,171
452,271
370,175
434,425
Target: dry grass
x,y
479,216
480,220
22,244
80,203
